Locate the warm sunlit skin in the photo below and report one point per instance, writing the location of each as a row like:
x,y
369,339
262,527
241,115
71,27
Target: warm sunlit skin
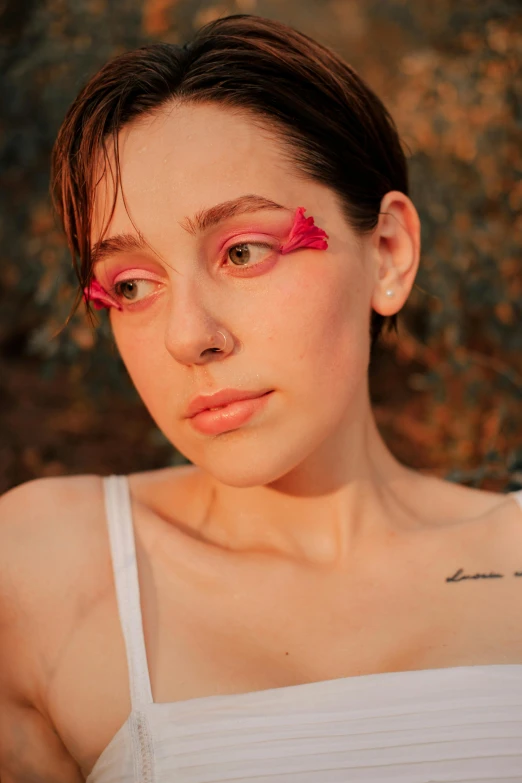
x,y
310,471
303,233
297,549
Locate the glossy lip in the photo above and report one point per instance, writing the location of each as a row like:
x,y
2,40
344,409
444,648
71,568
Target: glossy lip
x,y
229,417
224,397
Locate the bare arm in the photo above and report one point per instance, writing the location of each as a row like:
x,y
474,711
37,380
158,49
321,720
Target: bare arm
x,y
30,749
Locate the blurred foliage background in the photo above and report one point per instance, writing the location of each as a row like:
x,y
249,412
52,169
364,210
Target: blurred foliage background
x,y
446,392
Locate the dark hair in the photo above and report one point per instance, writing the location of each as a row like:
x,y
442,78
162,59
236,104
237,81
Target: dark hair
x,y
335,128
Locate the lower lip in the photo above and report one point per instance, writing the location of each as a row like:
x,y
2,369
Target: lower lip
x,y
229,417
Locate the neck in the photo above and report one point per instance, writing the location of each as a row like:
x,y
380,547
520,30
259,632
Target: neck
x,y
351,489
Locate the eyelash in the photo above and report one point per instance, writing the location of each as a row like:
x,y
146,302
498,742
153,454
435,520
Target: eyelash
x,y
114,290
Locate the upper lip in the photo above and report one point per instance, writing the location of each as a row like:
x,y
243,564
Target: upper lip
x,y
224,397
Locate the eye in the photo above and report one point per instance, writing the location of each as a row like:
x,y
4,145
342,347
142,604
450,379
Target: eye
x,y
248,253
129,289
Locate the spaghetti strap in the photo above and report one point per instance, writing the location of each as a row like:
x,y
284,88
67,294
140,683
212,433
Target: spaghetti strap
x,y
517,496
123,553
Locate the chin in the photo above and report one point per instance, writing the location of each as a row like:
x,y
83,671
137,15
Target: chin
x,y
249,459
254,471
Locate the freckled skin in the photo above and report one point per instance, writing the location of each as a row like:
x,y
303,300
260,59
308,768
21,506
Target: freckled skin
x,y
303,233
300,327
308,501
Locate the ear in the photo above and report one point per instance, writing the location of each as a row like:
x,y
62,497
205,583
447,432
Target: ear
x,y
395,246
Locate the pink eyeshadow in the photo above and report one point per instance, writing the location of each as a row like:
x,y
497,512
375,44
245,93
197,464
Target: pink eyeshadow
x,y
304,233
138,274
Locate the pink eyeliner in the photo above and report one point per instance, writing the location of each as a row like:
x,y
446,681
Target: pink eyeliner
x,y
304,234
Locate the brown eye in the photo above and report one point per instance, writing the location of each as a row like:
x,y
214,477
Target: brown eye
x,y
242,254
125,288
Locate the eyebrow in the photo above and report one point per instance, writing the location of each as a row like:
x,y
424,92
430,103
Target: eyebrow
x,y
202,221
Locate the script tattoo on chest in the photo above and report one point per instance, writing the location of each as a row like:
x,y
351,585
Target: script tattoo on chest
x,y
460,576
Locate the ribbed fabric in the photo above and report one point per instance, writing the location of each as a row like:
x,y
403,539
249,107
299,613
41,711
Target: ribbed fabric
x,y
455,725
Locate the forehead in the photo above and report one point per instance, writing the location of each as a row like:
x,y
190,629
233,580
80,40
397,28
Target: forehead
x,y
189,157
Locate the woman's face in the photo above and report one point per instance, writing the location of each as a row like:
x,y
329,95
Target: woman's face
x,y
295,323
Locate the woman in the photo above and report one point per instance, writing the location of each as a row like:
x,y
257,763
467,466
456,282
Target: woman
x,y
295,605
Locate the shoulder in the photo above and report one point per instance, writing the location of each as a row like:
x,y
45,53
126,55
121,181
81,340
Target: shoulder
x,y
31,513
446,500
50,529
464,519
44,538
480,529
45,525
32,501
54,491
41,523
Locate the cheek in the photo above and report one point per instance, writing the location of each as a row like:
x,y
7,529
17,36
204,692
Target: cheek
x,y
143,355
319,315
324,348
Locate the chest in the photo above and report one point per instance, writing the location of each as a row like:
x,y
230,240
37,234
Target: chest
x,y
253,626
210,629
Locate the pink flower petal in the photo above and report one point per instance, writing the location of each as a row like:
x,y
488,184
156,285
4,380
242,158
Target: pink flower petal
x,y
98,297
304,234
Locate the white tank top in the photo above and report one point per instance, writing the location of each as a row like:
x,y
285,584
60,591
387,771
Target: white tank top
x,y
460,724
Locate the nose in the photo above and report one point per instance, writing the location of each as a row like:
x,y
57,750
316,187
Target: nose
x,y
194,334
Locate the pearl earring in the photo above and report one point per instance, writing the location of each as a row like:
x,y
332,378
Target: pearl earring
x,y
389,292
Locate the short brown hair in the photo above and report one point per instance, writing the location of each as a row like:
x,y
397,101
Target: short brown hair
x,y
337,130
